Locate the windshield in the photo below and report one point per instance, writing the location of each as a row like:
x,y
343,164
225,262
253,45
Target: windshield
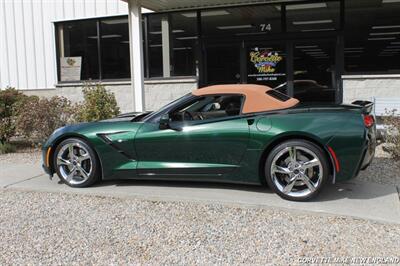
x,y
154,115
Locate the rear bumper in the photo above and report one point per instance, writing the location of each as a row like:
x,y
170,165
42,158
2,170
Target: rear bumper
x,y
369,150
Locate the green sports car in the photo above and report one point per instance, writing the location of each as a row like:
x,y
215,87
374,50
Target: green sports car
x,y
228,133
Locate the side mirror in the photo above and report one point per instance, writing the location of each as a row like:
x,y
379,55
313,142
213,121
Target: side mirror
x,y
164,121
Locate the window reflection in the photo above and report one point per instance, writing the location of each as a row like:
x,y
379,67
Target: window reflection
x,y
242,21
313,17
184,39
115,48
371,36
155,46
314,66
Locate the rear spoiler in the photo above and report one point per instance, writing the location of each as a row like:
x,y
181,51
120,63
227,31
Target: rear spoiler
x,y
366,106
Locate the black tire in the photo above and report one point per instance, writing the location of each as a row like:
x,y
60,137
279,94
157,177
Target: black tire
x,y
277,181
94,163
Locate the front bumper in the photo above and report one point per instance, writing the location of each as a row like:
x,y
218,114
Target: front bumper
x,y
47,170
46,158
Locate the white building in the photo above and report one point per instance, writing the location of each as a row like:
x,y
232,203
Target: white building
x,y
332,50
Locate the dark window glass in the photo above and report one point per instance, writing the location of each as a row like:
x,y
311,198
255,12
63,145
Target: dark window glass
x,y
278,95
155,45
242,21
313,17
184,38
145,53
314,66
78,41
211,107
372,30
222,64
266,64
115,48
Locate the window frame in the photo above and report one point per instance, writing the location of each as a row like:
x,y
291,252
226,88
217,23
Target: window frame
x,y
206,121
98,21
197,47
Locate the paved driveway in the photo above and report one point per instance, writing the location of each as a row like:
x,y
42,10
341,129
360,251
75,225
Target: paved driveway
x,y
354,198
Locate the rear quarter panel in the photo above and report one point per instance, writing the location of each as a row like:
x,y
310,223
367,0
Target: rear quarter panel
x,y
343,131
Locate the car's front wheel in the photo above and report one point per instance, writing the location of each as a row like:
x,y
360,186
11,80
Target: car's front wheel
x,y
296,170
76,163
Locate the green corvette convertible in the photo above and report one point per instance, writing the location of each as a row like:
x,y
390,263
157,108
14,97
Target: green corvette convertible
x,y
228,133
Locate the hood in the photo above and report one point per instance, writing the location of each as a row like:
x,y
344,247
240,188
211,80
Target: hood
x,y
91,130
127,117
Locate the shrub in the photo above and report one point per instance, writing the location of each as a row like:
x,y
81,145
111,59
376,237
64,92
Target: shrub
x,y
98,104
10,100
392,121
39,117
36,118
7,148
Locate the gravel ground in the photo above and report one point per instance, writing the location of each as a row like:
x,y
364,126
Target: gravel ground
x,y
52,228
383,170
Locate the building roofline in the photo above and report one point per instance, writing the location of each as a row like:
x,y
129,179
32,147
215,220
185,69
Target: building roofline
x,y
179,5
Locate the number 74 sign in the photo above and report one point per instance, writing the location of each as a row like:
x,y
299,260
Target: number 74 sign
x,y
265,27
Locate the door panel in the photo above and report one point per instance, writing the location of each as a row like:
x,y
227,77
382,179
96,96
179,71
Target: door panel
x,y
211,148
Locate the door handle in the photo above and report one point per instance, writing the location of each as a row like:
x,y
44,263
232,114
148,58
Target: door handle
x,y
250,121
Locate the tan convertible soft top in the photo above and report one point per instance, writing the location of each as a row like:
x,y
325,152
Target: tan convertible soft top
x,y
256,98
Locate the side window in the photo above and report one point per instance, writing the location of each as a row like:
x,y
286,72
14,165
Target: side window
x,y
209,107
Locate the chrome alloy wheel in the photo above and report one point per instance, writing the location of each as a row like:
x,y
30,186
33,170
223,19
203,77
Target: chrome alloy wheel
x,y
296,171
74,163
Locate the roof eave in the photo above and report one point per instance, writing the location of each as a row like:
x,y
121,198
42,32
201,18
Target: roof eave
x,y
171,5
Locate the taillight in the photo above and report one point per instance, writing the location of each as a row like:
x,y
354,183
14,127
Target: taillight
x,y
369,120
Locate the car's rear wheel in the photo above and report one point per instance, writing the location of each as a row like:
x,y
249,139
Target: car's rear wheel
x,y
76,163
296,170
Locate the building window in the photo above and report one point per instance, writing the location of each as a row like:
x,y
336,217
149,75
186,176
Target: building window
x,y
78,51
314,71
242,21
154,36
222,64
172,40
184,40
313,17
372,43
93,49
114,45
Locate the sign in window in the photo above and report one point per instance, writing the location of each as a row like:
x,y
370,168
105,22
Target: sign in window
x,y
266,65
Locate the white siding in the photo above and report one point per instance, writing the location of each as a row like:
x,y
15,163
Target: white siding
x,y
384,106
27,37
